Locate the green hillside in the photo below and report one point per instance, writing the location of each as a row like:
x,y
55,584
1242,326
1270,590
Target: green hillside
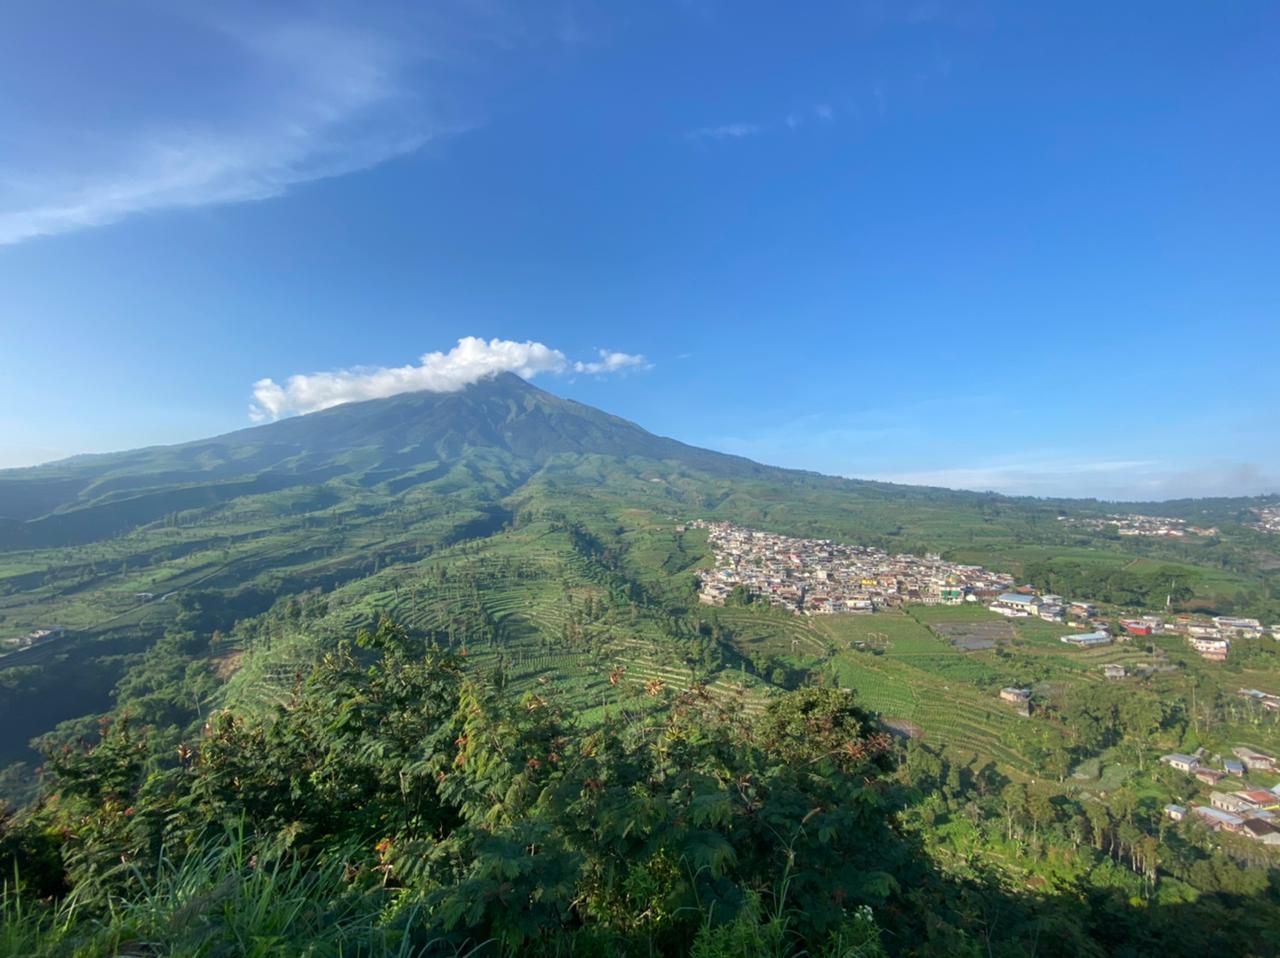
x,y
362,503
524,576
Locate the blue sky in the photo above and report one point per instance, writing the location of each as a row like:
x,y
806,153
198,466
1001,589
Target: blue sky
x,y
1025,247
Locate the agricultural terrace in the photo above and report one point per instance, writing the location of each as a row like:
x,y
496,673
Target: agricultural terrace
x,y
531,611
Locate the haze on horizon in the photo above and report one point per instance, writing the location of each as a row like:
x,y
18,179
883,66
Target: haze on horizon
x,y
964,244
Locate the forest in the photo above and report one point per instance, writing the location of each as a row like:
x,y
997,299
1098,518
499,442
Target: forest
x,y
398,803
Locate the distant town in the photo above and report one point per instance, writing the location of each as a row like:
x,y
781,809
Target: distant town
x,y
1161,527
1268,520
821,577
818,576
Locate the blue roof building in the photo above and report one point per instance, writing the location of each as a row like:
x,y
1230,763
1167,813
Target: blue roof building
x,y
1017,598
1087,638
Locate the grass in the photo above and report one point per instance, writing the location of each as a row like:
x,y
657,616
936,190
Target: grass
x,y
232,897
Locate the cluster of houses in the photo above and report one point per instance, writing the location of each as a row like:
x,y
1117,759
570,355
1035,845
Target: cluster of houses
x,y
36,636
1268,519
1024,604
1163,527
1210,637
1250,812
1054,608
817,576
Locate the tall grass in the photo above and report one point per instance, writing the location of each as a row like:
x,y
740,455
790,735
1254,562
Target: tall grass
x,y
227,899
234,899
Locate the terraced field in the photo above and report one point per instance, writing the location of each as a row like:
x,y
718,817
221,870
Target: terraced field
x,y
527,605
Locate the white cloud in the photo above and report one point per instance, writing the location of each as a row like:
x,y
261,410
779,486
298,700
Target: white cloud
x,y
470,361
727,131
822,112
611,361
275,103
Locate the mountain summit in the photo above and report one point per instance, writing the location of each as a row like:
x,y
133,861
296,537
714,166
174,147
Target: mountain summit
x,y
392,444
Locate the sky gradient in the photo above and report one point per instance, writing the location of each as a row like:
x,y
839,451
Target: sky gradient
x,y
1032,248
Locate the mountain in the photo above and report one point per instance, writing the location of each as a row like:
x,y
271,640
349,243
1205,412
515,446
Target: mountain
x,y
395,443
530,499
526,576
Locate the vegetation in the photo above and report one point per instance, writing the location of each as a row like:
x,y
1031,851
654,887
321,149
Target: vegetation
x,y
556,749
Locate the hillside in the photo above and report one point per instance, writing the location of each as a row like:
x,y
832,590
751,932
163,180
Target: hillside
x,y
539,562
118,548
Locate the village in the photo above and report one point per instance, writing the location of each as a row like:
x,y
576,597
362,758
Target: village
x,y
1209,636
818,576
1268,519
1162,527
821,577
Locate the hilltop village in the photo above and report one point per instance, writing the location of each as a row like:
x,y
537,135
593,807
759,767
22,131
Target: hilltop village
x,y
818,576
821,577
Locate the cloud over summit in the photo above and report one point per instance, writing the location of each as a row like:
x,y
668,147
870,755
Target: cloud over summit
x,y
470,361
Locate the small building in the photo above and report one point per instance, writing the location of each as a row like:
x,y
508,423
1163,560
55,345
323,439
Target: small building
x,y
1210,776
1136,627
1175,812
1267,700
1258,798
1261,831
1212,649
1016,604
1226,802
1255,761
1183,763
1234,767
1087,639
1114,671
1019,698
1215,818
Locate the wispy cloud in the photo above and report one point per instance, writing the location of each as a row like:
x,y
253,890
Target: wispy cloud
x,y
1117,479
726,131
611,361
472,360
819,112
279,102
